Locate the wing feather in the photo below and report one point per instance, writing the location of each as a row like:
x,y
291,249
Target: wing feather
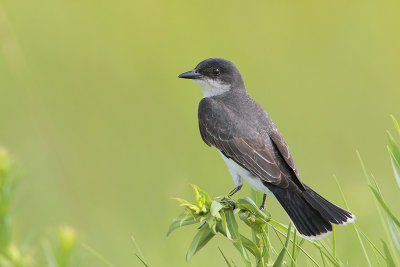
x,y
253,150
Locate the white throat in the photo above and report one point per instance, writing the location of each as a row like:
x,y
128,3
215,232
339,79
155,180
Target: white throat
x,y
212,87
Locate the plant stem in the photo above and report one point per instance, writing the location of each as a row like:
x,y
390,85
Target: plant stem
x,y
260,245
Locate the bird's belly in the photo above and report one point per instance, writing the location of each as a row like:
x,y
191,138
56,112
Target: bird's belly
x,y
239,173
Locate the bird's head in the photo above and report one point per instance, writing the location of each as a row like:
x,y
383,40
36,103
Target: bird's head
x,y
215,76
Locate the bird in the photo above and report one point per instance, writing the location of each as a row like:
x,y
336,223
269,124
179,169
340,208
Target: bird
x,y
254,149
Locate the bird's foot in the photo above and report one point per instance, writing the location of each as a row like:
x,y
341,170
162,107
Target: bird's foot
x,y
262,207
225,200
233,204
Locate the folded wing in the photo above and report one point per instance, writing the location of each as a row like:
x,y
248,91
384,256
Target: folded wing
x,y
265,155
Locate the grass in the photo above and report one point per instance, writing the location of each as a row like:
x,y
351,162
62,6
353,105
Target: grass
x,y
60,251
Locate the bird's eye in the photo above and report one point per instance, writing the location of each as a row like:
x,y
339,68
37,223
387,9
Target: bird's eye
x,y
216,71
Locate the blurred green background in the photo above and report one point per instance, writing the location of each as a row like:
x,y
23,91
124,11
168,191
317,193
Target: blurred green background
x,y
105,133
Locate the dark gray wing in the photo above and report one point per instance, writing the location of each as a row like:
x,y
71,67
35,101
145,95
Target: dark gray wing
x,y
283,148
246,145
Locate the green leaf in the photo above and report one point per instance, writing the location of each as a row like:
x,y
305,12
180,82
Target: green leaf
x,y
395,166
396,124
232,229
279,259
232,225
239,246
224,226
395,234
212,223
187,204
389,259
248,204
394,147
215,208
200,240
182,220
384,205
251,247
181,200
256,196
201,196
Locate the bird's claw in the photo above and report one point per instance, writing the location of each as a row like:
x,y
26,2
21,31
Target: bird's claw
x,y
233,204
225,200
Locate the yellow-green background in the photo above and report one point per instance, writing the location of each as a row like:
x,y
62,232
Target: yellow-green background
x,y
105,133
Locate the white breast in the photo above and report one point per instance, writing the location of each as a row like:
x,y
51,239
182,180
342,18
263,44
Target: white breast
x,y
239,173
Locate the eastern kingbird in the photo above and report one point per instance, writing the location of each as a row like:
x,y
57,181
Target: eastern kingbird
x,y
254,150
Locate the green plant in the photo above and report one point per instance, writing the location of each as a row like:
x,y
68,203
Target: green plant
x,y
216,217
56,254
10,252
390,221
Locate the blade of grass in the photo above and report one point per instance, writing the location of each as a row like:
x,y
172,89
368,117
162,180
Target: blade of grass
x,y
385,206
329,254
298,246
144,263
279,259
381,216
322,256
389,259
140,256
385,226
285,236
396,125
267,249
369,241
265,235
293,263
393,146
334,240
97,255
347,207
49,254
395,234
226,260
395,165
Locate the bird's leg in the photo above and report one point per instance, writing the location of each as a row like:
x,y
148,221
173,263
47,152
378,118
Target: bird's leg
x,y
237,188
262,207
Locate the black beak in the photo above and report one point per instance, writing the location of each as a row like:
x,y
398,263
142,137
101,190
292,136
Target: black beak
x,y
191,74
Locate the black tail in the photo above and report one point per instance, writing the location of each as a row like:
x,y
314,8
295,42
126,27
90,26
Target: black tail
x,y
311,214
